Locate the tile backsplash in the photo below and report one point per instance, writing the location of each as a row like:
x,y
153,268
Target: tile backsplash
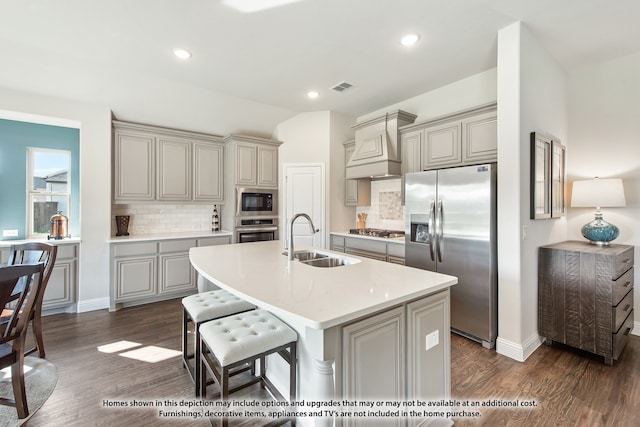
x,y
164,218
386,210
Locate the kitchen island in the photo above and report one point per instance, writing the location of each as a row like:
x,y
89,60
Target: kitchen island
x,y
368,330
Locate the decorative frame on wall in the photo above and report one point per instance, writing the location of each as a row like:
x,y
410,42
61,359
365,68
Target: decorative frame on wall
x,y
557,179
547,177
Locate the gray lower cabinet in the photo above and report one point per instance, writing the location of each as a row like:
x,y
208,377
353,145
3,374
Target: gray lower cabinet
x,y
63,283
416,367
360,341
585,296
389,251
154,270
61,291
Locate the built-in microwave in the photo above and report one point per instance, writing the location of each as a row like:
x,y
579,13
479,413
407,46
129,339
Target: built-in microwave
x,y
256,202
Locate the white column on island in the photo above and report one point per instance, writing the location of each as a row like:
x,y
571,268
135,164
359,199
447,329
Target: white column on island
x,y
324,375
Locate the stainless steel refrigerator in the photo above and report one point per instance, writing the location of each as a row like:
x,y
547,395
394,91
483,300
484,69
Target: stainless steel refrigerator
x,y
451,228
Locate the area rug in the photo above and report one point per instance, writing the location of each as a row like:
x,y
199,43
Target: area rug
x,y
40,378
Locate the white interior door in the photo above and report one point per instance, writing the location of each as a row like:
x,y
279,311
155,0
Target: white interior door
x,y
305,194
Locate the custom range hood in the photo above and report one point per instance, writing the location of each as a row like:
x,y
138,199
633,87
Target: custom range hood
x,y
377,151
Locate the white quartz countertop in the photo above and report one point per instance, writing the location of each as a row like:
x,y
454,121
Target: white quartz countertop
x,y
168,236
67,241
318,297
398,240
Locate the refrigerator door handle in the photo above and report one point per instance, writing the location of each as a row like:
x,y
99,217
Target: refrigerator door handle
x,y
432,214
439,231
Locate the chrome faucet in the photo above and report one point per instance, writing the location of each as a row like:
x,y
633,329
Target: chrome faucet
x,y
313,228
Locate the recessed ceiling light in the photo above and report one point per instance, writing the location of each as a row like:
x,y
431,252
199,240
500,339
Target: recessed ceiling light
x,y
410,39
249,6
182,53
313,94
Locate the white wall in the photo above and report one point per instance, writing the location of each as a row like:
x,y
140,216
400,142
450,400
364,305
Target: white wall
x,y
342,217
532,96
317,137
605,142
467,93
94,122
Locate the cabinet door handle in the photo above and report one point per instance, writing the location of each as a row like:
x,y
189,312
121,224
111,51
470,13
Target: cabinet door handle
x,y
626,284
627,331
627,307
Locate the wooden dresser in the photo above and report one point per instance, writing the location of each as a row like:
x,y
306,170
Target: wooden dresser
x,y
585,296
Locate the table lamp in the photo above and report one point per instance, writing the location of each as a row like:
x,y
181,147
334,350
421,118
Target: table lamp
x,y
598,193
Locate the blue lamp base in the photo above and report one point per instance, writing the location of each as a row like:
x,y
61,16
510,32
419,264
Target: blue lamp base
x,y
599,231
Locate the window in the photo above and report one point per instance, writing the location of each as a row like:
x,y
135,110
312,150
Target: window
x,y
49,190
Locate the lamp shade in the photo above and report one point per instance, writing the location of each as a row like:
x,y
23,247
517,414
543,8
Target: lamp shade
x,y
598,193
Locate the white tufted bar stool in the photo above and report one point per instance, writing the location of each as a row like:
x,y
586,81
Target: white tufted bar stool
x,y
200,308
244,338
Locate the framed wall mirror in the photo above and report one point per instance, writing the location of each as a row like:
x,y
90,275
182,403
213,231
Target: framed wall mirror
x,y
557,179
541,148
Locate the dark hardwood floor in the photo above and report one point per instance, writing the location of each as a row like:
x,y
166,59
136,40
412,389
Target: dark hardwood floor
x,y
570,388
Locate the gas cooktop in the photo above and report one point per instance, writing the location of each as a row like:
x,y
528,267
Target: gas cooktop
x,y
376,232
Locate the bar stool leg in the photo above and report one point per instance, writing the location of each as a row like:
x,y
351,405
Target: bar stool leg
x,y
185,325
292,374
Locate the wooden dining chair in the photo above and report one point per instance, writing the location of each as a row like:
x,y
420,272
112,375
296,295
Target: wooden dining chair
x,y
34,253
19,288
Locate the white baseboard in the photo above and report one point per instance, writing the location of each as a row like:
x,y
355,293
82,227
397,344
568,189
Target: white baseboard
x,y
519,352
93,304
636,328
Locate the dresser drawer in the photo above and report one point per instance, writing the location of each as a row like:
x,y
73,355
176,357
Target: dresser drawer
x,y
621,286
620,338
622,310
623,261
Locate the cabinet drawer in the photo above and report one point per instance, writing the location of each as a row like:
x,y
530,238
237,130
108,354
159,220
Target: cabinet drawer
x,y
620,338
395,250
337,241
67,251
621,286
621,311
134,249
366,254
177,245
214,241
623,261
367,245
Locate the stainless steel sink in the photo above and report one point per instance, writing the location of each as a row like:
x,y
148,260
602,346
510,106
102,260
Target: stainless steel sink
x,y
328,262
307,255
318,259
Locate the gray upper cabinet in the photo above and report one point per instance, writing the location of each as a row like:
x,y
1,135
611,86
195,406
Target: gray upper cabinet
x,y
480,138
357,192
267,166
254,160
208,182
464,138
134,166
412,151
442,146
174,169
167,165
246,164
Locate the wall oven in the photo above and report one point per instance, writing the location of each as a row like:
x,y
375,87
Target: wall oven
x,y
256,229
252,202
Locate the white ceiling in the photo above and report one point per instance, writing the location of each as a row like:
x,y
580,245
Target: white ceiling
x,y
250,71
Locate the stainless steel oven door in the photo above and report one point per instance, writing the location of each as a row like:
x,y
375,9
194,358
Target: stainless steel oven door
x,y
256,233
